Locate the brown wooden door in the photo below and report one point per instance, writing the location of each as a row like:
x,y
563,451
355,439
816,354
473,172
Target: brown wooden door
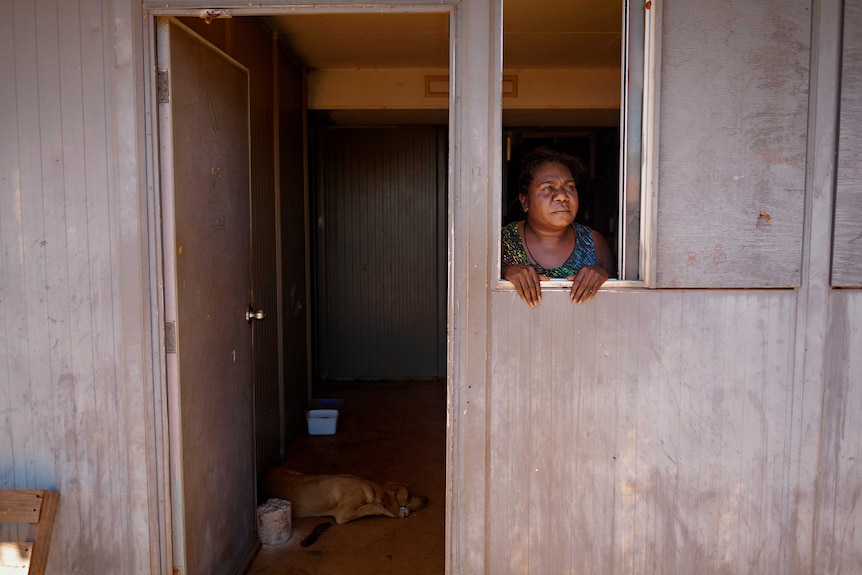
x,y
204,123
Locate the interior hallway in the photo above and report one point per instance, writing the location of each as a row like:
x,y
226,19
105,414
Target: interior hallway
x,y
386,432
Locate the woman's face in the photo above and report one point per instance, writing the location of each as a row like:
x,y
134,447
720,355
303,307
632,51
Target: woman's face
x,y
551,200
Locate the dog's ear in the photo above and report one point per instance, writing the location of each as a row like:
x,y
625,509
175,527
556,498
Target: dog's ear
x,y
402,496
398,492
393,496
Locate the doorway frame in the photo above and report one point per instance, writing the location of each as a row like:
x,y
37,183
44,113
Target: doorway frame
x,y
474,177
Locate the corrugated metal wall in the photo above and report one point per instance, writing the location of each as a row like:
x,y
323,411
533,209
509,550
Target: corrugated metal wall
x,y
381,253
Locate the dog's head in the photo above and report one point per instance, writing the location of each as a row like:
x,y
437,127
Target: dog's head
x,y
400,501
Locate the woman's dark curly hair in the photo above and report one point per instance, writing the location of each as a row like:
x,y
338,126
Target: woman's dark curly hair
x,y
543,155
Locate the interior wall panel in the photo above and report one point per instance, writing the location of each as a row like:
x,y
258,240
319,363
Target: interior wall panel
x,y
847,257
732,143
379,241
645,432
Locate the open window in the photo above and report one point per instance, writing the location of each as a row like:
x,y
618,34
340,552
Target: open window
x,y
573,78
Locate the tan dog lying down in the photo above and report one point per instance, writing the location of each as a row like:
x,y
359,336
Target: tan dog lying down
x,y
345,497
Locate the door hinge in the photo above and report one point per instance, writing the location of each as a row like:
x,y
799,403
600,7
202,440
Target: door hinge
x,y
170,337
163,86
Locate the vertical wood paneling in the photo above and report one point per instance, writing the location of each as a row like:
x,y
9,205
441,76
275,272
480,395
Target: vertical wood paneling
x,y
17,175
95,53
11,252
839,525
60,267
22,175
642,433
847,257
60,330
732,130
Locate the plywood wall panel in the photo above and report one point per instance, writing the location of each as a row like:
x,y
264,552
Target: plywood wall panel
x,y
63,392
642,433
839,525
732,143
847,256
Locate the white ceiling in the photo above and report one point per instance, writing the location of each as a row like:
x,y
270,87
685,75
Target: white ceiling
x,y
537,34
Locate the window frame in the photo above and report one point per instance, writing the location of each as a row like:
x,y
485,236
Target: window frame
x,y
638,138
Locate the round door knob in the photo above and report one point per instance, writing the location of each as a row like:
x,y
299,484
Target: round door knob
x,y
251,314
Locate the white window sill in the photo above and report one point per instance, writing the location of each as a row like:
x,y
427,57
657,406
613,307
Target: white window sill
x,y
560,284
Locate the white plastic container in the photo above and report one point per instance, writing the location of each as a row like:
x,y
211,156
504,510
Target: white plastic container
x,y
322,421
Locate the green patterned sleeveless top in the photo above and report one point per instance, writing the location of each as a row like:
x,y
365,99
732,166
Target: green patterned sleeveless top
x,y
583,255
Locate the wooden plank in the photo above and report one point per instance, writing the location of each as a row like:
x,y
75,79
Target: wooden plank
x,y
38,508
20,505
732,150
847,254
15,558
44,532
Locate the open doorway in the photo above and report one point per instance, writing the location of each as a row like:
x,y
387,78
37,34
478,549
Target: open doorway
x,y
293,130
